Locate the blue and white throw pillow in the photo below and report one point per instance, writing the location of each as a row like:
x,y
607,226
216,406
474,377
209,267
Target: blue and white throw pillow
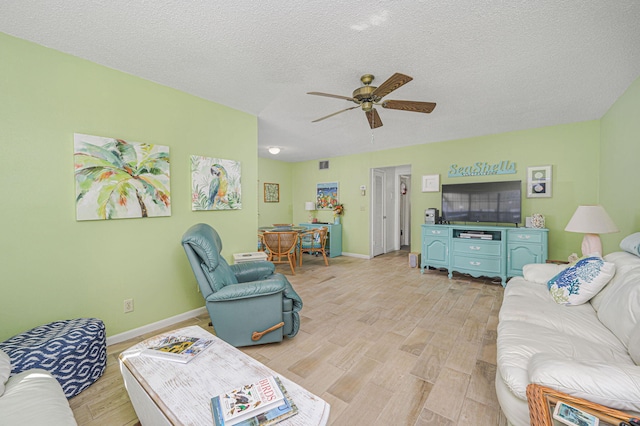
x,y
580,282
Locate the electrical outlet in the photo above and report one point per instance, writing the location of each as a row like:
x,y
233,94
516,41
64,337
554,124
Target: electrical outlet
x,y
128,305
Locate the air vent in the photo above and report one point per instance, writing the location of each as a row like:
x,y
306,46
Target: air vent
x,y
322,165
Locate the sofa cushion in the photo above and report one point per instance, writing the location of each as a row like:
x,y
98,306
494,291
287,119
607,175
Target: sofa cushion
x,y
34,397
631,244
620,309
541,273
578,283
624,262
634,344
612,385
5,370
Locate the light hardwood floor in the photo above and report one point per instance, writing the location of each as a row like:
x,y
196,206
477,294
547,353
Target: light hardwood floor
x,y
381,343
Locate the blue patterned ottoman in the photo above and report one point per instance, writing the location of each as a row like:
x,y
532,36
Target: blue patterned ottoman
x,y
73,351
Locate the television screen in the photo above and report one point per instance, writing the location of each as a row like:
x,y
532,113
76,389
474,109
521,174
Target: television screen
x,y
497,202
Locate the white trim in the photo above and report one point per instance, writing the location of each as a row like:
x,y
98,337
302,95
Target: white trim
x,y
118,338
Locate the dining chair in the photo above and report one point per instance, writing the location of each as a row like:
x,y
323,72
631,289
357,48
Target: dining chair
x,y
313,242
281,247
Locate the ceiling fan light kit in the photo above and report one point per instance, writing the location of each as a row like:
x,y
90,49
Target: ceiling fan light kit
x,y
274,150
367,96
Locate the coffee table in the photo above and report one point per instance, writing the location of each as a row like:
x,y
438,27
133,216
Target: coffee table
x,y
165,392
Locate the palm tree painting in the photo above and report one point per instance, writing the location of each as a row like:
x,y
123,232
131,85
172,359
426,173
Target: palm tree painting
x,y
215,184
118,179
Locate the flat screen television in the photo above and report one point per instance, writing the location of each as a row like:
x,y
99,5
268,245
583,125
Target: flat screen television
x,y
496,202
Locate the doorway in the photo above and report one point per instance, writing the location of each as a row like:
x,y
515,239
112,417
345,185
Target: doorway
x,y
390,209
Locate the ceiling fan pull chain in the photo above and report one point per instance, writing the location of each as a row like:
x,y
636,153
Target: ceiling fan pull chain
x,y
371,136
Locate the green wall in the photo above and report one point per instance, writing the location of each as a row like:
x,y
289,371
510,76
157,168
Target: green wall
x,y
619,165
572,150
279,172
54,267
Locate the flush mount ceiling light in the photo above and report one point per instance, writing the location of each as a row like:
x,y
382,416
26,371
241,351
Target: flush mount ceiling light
x,y
274,150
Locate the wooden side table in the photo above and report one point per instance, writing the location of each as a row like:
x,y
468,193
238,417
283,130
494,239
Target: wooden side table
x,y
542,401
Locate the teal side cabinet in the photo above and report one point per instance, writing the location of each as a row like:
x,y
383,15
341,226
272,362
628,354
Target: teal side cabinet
x,y
525,245
491,251
435,247
334,237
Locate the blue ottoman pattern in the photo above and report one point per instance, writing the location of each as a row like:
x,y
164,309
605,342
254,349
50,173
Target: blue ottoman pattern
x,y
73,351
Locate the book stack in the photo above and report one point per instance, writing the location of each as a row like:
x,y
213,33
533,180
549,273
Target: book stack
x,y
264,402
176,348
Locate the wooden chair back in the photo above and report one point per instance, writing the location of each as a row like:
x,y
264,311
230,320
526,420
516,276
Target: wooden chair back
x,y
313,242
281,247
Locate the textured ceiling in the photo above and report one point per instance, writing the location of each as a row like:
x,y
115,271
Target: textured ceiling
x,y
492,65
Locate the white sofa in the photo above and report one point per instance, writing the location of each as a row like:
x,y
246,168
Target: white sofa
x,y
33,397
591,350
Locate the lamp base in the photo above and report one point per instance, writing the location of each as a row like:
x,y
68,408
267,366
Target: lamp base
x,y
591,245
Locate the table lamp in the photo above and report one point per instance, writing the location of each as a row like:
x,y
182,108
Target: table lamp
x,y
591,221
310,206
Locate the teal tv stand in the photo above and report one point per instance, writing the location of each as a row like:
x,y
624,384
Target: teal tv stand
x,y
492,251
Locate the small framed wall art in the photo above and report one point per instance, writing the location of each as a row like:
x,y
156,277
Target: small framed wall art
x,y
326,195
539,182
271,192
431,183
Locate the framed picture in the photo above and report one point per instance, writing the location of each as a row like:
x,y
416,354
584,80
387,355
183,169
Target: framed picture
x,y
215,184
117,179
431,183
271,192
539,182
326,195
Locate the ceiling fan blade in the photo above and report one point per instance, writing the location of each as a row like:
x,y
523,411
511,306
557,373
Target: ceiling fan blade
x,y
394,82
425,107
374,119
346,98
335,113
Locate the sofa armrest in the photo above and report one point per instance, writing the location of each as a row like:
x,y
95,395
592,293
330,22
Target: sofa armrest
x,y
612,385
253,271
248,290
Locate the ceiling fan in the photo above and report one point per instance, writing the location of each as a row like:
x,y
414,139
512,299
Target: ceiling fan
x,y
368,96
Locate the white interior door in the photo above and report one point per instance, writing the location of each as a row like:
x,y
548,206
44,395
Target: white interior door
x,y
377,213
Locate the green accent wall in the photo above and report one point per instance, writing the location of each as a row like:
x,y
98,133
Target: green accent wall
x,y
54,267
619,165
571,149
273,171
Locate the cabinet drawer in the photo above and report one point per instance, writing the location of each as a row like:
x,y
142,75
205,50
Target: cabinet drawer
x,y
431,232
524,237
473,247
479,264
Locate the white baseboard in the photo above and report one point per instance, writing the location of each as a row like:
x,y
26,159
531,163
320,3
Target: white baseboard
x,y
358,255
111,340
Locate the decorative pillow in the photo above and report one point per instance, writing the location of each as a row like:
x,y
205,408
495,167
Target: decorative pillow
x,y
5,370
580,282
631,244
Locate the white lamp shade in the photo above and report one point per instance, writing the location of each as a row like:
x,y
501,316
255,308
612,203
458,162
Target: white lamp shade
x,y
309,205
591,220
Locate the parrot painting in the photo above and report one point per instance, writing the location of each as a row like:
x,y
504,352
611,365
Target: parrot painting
x,y
218,186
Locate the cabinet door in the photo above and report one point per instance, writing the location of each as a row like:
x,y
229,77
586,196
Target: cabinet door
x,y
521,255
435,251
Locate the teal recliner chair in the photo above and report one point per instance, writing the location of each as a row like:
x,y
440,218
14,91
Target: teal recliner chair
x,y
248,303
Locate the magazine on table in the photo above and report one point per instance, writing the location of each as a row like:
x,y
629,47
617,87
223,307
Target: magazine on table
x,y
176,348
264,402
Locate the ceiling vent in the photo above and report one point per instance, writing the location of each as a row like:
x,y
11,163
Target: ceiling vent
x,y
323,165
